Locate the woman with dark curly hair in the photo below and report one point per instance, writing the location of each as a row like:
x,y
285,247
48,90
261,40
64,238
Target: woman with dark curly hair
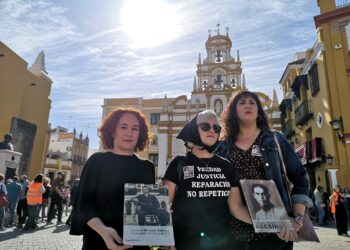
x,y
98,206
251,145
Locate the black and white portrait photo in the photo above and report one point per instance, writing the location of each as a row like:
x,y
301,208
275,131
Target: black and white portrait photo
x,y
265,205
147,217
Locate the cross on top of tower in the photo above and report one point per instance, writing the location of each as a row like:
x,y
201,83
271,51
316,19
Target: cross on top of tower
x,y
218,29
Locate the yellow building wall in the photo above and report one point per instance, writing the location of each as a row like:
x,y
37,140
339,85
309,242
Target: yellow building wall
x,y
13,71
337,62
26,96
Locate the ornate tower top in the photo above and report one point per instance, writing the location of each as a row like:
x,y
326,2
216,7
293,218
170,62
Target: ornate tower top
x,y
219,70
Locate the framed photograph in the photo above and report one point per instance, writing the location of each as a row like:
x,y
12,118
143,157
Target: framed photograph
x,y
265,206
147,217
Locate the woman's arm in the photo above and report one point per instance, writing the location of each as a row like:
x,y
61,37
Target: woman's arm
x,y
236,206
171,190
296,174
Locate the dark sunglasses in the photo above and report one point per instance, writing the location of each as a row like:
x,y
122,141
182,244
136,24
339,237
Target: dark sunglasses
x,y
205,126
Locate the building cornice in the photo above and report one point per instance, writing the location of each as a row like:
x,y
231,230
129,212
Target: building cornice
x,y
329,16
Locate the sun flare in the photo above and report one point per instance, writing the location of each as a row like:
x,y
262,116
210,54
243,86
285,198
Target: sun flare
x,y
149,23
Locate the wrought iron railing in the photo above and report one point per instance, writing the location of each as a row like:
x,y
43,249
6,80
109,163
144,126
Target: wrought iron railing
x,y
342,3
288,129
303,113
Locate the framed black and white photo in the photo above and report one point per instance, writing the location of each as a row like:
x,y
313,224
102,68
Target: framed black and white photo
x,y
147,217
265,206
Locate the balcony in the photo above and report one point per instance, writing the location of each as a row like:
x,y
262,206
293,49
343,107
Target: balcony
x,y
285,104
287,128
299,81
342,3
303,113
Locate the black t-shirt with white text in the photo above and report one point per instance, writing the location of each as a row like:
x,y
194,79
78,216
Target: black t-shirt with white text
x,y
200,210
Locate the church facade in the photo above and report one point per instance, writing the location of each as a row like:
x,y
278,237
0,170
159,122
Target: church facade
x,y
218,77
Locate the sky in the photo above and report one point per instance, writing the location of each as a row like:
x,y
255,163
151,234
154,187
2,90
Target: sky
x,y
148,48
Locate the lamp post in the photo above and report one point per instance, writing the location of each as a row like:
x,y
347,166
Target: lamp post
x,y
337,125
329,160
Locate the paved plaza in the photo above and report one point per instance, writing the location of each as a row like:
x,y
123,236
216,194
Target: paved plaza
x,y
57,237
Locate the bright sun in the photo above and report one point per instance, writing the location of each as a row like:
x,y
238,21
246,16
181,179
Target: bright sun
x,y
149,23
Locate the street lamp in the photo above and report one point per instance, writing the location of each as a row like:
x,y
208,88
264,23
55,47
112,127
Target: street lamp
x,y
337,125
329,159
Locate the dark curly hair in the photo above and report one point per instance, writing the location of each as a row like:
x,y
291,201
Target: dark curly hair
x,y
38,178
229,118
107,128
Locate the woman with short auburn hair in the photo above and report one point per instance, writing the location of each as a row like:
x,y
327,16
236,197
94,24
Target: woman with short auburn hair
x,y
98,205
107,129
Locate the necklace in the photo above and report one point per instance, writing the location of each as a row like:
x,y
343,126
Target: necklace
x,y
206,164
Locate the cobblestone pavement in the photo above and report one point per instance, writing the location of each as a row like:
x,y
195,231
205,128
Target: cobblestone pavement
x,y
57,237
329,240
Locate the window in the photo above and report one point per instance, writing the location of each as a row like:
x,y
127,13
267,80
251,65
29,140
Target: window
x,y
314,84
154,140
155,117
154,158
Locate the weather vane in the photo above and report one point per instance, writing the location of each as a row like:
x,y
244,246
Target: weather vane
x,y
209,31
227,29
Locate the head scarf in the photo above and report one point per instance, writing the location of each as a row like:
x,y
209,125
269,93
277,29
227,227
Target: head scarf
x,y
190,133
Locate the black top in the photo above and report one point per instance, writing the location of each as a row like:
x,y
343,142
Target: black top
x,y
247,164
101,193
201,214
47,193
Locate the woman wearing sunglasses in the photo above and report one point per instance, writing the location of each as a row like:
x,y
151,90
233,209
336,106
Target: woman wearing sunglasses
x,y
250,145
199,184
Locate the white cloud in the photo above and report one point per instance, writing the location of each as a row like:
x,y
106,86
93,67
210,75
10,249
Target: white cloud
x,y
89,64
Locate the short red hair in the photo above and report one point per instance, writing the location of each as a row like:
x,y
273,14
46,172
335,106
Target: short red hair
x,y
109,123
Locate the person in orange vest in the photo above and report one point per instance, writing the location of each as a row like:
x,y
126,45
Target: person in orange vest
x,y
34,199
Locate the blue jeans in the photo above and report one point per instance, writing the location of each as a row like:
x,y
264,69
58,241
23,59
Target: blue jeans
x,y
43,211
12,208
2,214
320,213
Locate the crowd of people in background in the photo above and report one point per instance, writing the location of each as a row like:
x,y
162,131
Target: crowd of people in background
x,y
31,202
333,207
247,151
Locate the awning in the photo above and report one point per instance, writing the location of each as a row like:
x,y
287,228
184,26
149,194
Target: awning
x,y
316,150
301,152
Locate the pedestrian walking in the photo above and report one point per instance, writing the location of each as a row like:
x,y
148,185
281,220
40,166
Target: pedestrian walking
x,y
318,195
46,196
339,211
56,199
99,204
22,207
73,194
65,199
3,192
34,200
347,202
14,190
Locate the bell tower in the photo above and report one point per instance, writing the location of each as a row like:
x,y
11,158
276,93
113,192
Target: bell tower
x,y
220,74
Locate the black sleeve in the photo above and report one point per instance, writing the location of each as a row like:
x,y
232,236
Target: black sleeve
x,y
229,173
85,203
171,173
232,177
